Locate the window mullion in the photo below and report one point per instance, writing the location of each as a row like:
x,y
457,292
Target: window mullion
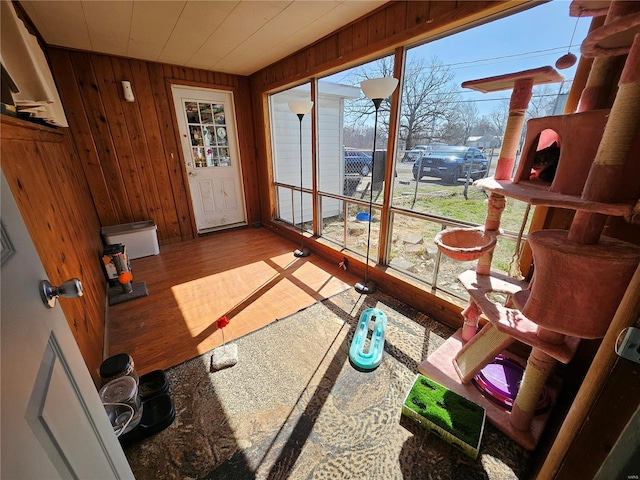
x,y
314,167
389,174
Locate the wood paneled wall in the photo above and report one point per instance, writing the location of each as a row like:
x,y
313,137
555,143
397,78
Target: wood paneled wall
x,y
46,179
130,152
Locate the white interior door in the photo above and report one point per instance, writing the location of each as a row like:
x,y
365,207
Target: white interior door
x,y
53,423
206,119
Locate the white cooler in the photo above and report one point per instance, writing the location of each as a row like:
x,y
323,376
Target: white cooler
x,y
140,238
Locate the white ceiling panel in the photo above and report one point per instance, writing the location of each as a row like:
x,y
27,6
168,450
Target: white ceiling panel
x,y
280,30
241,24
346,10
108,24
60,23
238,37
280,35
151,26
198,22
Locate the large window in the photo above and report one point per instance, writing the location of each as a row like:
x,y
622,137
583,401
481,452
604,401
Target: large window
x,y
450,136
447,137
348,175
292,161
344,163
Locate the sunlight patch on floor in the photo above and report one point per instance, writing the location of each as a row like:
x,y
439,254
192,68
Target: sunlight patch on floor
x,y
319,280
287,383
218,298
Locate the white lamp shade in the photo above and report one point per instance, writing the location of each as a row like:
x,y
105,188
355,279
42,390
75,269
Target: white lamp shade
x,y
300,107
379,87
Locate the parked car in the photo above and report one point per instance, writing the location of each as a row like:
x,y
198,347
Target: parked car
x,y
416,152
451,163
356,162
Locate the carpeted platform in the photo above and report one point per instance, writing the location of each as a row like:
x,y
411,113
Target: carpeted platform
x,y
294,407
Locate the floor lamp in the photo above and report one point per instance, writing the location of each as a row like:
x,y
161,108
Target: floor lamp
x,y
300,108
376,89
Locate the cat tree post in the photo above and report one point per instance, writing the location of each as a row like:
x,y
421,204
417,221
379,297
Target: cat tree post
x,y
520,97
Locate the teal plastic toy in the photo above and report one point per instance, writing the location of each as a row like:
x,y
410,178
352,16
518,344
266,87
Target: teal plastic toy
x,y
370,359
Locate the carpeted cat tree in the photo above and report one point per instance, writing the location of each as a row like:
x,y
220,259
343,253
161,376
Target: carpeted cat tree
x,y
580,276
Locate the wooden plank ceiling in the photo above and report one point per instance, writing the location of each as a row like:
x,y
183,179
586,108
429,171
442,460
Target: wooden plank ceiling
x,y
238,37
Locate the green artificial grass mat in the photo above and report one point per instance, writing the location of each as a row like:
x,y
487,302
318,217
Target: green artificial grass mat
x,y
447,409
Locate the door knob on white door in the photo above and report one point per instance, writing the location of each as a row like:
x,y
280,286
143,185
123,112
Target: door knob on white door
x,y
70,289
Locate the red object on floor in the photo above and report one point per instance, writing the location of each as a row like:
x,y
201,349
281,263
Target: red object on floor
x,y
222,322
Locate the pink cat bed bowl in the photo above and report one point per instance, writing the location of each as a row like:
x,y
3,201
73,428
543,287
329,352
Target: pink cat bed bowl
x,y
465,244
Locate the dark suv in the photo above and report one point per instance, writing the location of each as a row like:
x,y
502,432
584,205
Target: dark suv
x,y
356,162
451,163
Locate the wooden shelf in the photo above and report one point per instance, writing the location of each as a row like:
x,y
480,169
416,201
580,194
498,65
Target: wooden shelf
x,y
510,320
537,193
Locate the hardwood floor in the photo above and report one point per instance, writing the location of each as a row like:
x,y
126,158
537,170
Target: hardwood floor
x,y
249,275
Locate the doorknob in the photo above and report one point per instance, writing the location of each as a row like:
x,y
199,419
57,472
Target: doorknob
x,y
70,289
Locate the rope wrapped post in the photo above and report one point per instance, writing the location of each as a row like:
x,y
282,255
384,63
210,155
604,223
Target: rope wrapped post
x,y
471,315
124,275
614,149
539,367
520,98
598,92
497,204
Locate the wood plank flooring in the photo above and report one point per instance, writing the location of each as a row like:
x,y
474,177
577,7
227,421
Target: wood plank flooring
x,y
249,275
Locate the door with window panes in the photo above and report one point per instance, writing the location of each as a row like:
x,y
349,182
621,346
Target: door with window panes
x,y
208,134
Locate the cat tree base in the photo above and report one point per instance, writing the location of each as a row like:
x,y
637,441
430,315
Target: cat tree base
x,y
439,367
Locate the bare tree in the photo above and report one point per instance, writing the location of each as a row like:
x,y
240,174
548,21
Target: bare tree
x,y
428,97
460,122
483,127
497,118
542,101
469,119
359,112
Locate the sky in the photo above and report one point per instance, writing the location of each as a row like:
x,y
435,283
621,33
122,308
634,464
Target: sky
x,y
530,39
